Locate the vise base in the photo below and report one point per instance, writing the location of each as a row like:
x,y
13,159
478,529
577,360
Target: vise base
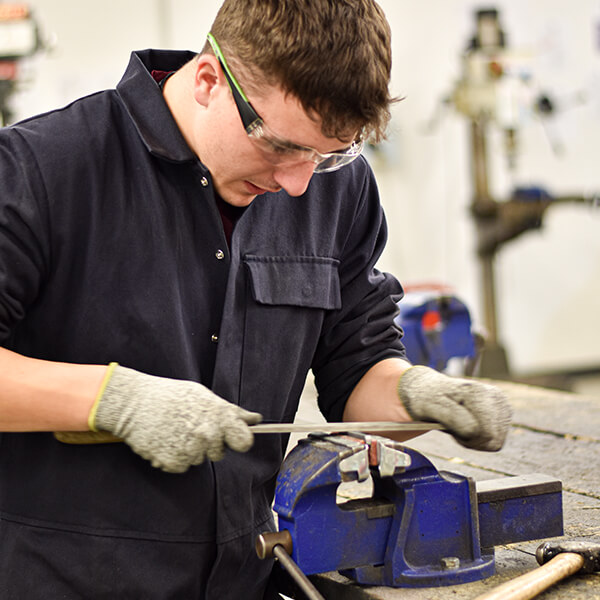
x,y
420,528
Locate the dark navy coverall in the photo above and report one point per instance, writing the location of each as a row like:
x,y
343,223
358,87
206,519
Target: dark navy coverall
x,y
112,249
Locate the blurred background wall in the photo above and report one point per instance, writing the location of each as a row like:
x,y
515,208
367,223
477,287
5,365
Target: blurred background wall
x,y
548,279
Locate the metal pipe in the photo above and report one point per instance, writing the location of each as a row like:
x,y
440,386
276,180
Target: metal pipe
x,y
482,205
479,164
485,211
488,290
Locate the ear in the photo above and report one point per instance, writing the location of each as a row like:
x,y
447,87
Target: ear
x,y
207,79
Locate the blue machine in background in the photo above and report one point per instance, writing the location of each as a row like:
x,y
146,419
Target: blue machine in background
x,y
437,327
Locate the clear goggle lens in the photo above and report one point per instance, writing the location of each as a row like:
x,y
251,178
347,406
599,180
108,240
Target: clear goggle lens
x,y
280,152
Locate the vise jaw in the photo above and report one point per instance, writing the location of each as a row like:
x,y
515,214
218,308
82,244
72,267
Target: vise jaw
x,y
420,528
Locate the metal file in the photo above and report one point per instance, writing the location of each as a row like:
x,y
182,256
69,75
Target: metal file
x,y
344,427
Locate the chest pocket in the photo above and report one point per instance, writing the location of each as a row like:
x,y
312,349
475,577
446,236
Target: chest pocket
x,y
288,299
305,281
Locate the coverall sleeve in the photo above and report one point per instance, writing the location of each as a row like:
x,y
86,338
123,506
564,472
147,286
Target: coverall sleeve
x,y
362,332
23,258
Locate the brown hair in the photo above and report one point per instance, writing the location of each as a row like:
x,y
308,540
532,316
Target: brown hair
x,y
333,55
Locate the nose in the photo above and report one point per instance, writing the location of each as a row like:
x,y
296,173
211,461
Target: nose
x,y
294,179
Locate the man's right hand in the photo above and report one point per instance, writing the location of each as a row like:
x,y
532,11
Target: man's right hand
x,y
170,422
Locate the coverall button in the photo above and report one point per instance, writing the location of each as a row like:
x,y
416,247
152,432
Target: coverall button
x,y
220,254
204,182
214,338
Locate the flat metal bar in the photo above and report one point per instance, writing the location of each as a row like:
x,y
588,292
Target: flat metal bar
x,y
519,509
344,427
516,486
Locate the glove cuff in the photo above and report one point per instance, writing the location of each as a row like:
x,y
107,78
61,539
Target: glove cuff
x,y
411,368
409,375
94,409
415,388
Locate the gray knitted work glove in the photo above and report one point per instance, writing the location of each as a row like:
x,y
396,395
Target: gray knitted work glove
x,y
477,414
172,423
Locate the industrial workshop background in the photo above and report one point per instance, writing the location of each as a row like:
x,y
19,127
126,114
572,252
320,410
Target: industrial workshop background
x,y
547,281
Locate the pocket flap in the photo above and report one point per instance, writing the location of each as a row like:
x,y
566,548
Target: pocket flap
x,y
295,280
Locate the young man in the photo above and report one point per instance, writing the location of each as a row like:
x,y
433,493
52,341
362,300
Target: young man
x,y
208,231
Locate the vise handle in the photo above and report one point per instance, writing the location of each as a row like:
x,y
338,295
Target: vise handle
x,y
266,542
279,544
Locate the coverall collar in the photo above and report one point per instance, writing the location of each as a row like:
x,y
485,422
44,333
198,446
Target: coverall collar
x,y
145,104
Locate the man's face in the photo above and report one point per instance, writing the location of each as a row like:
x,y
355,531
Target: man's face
x,y
240,169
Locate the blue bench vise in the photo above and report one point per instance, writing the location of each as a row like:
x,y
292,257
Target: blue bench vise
x,y
420,528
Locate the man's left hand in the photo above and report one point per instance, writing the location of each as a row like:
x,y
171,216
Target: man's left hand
x,y
477,414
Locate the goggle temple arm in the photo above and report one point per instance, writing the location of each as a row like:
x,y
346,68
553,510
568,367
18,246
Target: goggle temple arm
x,y
249,116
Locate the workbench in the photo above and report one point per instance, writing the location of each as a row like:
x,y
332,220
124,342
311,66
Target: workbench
x,y
554,433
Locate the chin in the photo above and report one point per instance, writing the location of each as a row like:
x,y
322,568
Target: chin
x,y
239,196
239,200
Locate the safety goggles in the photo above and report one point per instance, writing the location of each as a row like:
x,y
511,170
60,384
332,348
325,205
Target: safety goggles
x,y
275,149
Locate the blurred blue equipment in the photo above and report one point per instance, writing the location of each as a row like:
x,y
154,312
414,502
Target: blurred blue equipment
x,y
437,327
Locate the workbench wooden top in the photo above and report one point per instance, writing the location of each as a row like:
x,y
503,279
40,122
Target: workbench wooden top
x,y
555,433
